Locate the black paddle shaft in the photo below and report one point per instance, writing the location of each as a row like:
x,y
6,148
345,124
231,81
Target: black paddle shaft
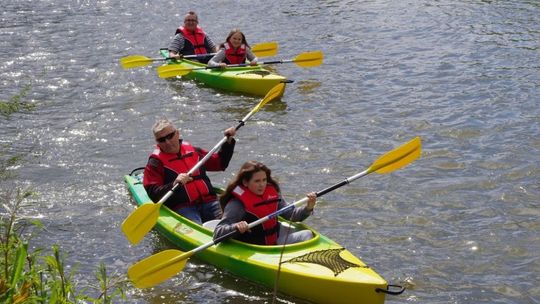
x,y
239,65
241,123
332,188
320,193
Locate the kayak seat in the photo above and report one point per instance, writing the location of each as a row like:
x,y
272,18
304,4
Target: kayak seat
x,y
289,234
284,227
210,225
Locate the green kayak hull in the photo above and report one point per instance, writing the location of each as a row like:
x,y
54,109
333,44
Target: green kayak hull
x,y
318,270
251,80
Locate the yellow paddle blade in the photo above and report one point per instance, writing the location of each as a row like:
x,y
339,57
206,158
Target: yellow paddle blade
x,y
135,61
140,222
274,93
398,157
265,49
309,59
158,268
172,70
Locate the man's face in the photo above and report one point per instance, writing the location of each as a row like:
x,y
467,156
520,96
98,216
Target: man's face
x,y
168,140
190,22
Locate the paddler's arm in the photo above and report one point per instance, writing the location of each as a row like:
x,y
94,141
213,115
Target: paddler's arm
x,y
234,212
300,213
251,57
217,60
227,149
175,46
220,161
153,182
211,44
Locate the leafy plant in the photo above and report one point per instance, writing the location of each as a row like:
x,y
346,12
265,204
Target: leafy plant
x,y
32,276
16,104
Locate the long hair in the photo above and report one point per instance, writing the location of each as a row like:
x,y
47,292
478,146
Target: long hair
x,y
234,31
246,172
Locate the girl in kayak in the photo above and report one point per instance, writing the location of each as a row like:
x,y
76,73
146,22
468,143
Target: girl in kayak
x,y
252,195
235,50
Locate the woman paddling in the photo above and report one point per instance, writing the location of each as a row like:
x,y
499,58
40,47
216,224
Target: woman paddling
x,y
254,194
235,50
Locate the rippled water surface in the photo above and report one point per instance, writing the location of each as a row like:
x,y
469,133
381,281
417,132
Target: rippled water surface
x,y
459,225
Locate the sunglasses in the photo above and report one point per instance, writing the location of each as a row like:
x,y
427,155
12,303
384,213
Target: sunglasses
x,y
190,20
166,137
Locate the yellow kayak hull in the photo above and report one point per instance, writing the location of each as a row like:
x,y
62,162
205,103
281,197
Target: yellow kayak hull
x,y
250,80
318,270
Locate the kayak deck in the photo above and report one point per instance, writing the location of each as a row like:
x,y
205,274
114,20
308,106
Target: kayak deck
x,y
252,80
318,270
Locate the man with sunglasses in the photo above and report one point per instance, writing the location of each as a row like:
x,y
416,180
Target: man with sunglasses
x,y
168,165
190,39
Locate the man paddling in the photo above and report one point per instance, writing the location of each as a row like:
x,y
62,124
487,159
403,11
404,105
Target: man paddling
x,y
168,165
190,39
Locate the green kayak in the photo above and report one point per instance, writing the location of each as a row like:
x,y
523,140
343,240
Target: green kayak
x,y
318,270
252,80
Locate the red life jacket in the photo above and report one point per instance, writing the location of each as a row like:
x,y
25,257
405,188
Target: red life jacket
x,y
233,56
199,190
258,207
195,39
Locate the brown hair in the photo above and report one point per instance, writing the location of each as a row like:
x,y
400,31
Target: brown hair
x,y
192,13
246,172
232,32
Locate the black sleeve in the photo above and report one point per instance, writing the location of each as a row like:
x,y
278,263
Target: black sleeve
x,y
226,153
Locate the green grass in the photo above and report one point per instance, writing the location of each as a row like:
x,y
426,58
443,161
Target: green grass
x,y
35,276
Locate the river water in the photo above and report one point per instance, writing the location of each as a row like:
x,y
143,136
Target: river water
x,y
459,225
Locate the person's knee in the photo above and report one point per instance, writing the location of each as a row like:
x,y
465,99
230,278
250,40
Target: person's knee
x,y
305,235
212,211
295,237
190,213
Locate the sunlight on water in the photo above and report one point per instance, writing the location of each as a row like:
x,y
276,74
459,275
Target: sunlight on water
x,y
459,225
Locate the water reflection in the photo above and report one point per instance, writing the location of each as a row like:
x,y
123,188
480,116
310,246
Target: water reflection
x,y
460,224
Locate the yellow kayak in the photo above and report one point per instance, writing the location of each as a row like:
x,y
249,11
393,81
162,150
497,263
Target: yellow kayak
x,y
318,270
252,80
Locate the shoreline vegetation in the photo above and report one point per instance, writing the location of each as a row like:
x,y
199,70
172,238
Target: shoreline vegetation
x,y
38,275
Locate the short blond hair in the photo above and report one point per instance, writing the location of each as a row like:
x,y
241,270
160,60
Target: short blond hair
x,y
161,124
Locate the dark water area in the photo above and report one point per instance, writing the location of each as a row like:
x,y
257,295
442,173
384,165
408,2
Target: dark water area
x,y
459,225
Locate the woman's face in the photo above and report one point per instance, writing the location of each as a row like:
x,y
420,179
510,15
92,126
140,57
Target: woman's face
x,y
257,183
236,40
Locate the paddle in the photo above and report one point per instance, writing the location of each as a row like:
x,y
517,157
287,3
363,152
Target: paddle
x,y
305,60
161,266
141,221
264,49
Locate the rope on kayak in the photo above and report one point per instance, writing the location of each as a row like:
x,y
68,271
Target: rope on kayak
x,y
288,230
137,174
136,171
329,258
